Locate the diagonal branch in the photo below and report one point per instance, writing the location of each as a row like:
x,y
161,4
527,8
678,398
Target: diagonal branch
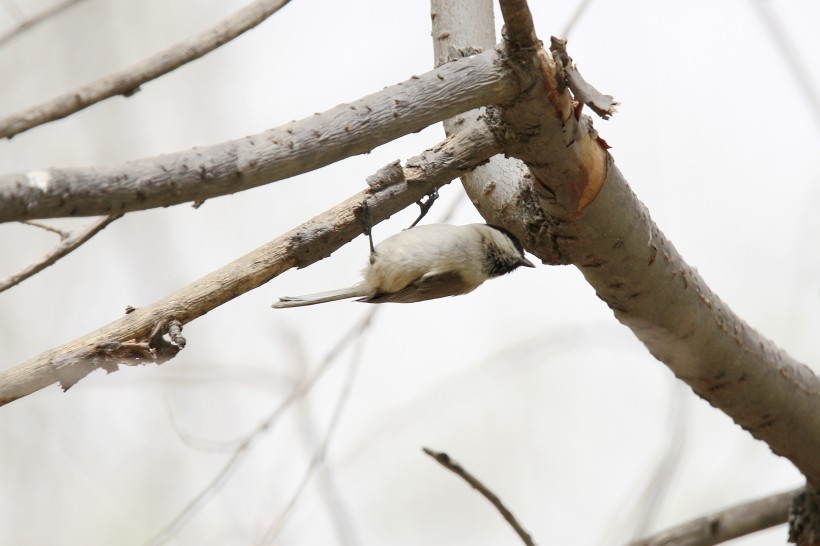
x,y
741,520
66,246
800,69
127,82
291,149
249,441
36,19
444,460
300,247
320,453
575,207
519,30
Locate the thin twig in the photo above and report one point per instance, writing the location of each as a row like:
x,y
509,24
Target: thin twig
x,y
14,8
42,225
319,455
576,15
243,449
69,244
205,445
34,20
127,82
728,524
799,69
444,460
326,484
651,499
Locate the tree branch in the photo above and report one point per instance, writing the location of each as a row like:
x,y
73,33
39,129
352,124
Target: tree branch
x,y
317,461
266,426
500,189
66,246
519,30
583,212
279,153
300,247
444,460
738,521
127,82
34,20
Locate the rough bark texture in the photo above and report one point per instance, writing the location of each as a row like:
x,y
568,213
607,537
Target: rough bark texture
x,y
590,218
804,518
728,524
127,82
294,148
300,247
501,190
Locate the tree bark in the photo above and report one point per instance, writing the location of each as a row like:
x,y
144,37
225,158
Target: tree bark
x,y
390,192
291,149
585,214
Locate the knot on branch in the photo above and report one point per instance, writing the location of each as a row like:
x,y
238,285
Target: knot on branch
x,y
164,342
804,518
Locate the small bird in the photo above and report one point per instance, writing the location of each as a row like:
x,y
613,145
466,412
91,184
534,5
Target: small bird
x,y
428,262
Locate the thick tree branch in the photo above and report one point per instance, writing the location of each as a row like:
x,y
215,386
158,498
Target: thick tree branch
x,y
590,218
501,189
444,460
519,30
279,153
127,82
300,247
743,519
66,246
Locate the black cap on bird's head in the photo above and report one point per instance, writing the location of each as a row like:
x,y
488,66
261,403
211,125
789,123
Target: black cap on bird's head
x,y
504,260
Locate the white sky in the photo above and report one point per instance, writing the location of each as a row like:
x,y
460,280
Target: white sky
x,y
529,382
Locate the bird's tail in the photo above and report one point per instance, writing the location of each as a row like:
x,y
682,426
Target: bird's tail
x,y
356,291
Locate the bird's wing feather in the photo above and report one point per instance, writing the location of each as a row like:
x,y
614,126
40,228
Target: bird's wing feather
x,y
428,287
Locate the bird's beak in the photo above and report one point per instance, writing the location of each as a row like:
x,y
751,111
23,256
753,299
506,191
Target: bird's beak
x,y
526,263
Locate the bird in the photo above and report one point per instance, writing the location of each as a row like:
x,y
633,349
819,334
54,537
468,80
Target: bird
x,y
427,262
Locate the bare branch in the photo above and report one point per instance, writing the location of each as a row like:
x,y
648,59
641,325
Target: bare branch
x,y
267,425
68,245
519,29
127,82
738,521
575,207
319,454
657,489
299,247
14,8
326,485
462,27
34,20
286,151
46,227
800,70
575,17
444,460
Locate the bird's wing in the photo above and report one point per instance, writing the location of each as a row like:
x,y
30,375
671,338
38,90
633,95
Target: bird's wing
x,y
428,287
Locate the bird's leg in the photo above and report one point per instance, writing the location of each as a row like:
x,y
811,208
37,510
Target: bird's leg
x,y
367,219
425,206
